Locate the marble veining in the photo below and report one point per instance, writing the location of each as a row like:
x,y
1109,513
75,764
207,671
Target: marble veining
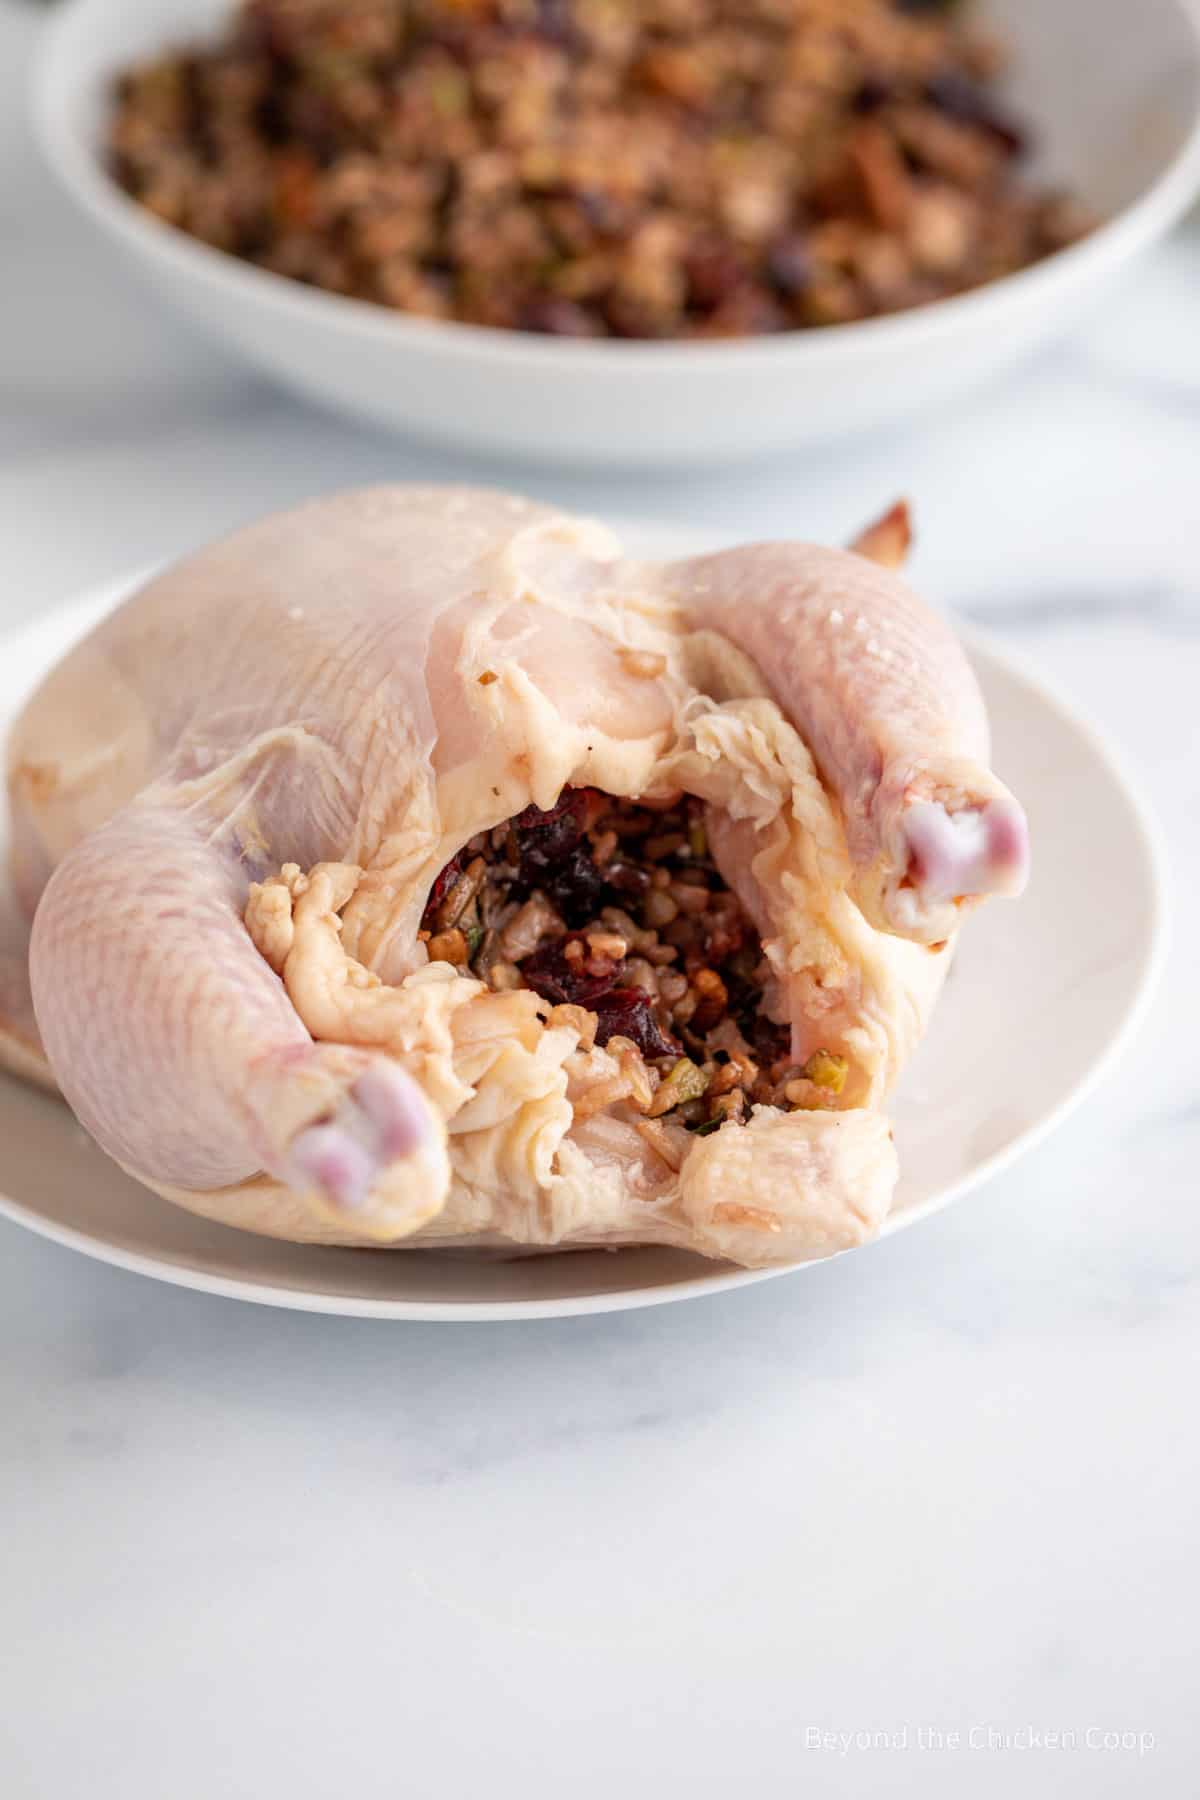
x,y
1169,611
946,1485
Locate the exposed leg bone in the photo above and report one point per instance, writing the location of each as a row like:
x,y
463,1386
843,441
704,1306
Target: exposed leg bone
x,y
982,850
381,1117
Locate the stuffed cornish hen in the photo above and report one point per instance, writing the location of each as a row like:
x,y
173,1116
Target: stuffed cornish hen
x,y
415,869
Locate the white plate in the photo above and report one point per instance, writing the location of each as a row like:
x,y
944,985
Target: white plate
x,y
1111,87
1052,981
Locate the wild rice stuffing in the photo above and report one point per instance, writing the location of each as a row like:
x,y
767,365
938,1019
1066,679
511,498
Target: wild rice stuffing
x,y
614,912
596,168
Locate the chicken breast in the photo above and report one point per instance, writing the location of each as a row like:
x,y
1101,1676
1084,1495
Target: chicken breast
x,y
231,804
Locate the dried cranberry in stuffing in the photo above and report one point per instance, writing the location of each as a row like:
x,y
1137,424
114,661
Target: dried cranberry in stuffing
x,y
554,21
553,857
544,838
605,213
626,878
575,887
628,1012
969,103
872,92
551,974
713,272
442,886
789,265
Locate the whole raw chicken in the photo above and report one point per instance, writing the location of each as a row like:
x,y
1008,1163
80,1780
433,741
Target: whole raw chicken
x,y
246,806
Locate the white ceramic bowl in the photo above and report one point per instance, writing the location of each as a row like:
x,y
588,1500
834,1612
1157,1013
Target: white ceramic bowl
x,y
1112,88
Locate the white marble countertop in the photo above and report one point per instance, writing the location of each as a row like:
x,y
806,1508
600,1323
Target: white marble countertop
x,y
947,1486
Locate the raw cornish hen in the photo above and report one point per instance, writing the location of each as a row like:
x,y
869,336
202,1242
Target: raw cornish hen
x,y
413,869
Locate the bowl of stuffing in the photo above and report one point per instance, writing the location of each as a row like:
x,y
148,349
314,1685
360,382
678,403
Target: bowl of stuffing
x,y
685,232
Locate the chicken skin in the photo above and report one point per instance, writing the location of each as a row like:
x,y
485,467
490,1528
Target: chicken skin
x,y
235,806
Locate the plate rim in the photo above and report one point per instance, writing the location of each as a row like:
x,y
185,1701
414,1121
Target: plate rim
x,y
91,602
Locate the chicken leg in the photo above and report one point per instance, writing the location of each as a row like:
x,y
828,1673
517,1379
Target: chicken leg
x,y
881,692
178,1047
